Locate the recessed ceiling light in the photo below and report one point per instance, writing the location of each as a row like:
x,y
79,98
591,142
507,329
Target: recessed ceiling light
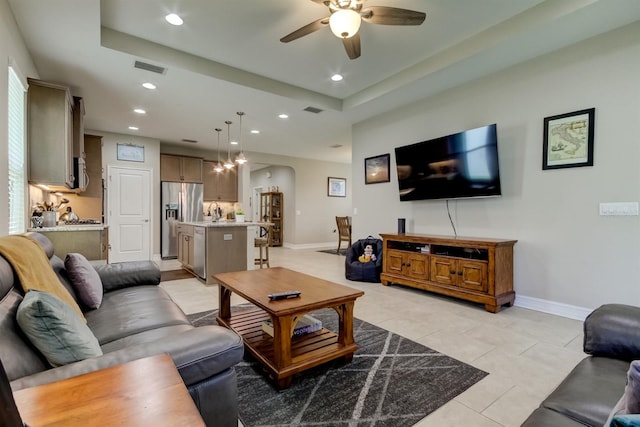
x,y
174,19
233,142
284,116
133,128
255,131
337,77
148,85
139,111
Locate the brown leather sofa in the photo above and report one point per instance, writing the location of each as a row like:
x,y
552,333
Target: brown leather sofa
x,y
589,393
136,319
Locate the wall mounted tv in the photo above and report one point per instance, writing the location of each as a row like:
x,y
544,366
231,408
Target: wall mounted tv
x,y
460,165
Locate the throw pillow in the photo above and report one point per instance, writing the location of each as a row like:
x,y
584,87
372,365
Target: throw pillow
x,y
56,329
84,279
626,421
629,403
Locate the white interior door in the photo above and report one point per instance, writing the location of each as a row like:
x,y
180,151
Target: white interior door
x,y
129,214
255,204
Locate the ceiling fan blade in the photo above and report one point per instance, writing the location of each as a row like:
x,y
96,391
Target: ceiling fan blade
x,y
384,15
352,46
307,29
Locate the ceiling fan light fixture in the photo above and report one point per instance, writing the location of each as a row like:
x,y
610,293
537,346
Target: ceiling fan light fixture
x,y
345,23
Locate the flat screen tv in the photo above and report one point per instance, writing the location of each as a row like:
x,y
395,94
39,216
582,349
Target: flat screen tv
x,y
460,165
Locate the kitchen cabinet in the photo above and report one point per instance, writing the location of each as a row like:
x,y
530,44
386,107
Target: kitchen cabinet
x,y
180,168
186,247
219,186
78,127
50,134
474,269
89,203
92,241
226,250
271,208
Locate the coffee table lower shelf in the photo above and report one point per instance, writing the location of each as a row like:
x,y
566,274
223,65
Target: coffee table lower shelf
x,y
307,351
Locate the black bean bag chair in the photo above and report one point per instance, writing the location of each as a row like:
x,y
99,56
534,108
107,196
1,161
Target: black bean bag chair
x,y
364,271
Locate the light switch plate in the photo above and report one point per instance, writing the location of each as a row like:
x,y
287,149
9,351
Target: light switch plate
x,y
619,209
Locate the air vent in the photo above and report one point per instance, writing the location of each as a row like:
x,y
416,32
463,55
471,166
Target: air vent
x,y
192,141
313,110
150,67
335,146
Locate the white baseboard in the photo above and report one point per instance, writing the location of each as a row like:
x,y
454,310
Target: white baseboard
x,y
552,307
311,245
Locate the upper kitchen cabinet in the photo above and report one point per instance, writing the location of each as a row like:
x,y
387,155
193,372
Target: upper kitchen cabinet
x,y
78,127
220,186
180,169
50,134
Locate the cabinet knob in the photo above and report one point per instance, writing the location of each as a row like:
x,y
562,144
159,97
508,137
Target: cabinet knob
x,y
459,273
452,272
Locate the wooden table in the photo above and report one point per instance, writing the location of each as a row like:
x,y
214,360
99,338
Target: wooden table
x,y
281,355
145,392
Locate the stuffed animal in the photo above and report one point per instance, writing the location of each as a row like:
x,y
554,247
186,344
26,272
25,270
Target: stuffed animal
x,y
368,254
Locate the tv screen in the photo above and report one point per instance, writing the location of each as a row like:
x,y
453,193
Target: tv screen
x,y
460,165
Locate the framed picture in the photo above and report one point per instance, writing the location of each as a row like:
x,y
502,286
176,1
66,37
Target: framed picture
x,y
568,140
337,187
376,169
131,153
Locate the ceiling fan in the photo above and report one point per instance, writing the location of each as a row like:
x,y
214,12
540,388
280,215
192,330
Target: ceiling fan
x,y
346,17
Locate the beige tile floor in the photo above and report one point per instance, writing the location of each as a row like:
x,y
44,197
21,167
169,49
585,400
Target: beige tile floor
x,y
526,353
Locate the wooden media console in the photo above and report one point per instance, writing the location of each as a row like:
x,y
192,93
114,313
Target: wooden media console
x,y
470,268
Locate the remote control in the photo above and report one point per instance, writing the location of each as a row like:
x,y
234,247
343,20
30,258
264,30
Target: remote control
x,y
284,295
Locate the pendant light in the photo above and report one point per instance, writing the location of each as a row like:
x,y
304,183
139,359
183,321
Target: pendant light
x,y
228,164
241,159
218,166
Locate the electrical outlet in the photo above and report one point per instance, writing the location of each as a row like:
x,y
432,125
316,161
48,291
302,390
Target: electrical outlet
x,y
619,209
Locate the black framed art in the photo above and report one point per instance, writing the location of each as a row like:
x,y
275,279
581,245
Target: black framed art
x,y
376,169
568,140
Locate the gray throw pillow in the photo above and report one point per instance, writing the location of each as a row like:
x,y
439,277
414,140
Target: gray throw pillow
x,y
84,279
56,329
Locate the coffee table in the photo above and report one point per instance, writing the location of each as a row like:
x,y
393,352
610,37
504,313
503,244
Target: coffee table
x,y
282,355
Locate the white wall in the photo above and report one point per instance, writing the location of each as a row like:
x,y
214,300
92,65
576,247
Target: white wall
x,y
566,253
151,162
12,52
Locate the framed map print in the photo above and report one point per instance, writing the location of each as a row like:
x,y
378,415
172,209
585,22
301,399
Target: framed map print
x,y
568,140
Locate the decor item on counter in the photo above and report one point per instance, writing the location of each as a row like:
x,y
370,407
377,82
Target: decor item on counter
x,y
336,187
131,153
69,216
241,159
376,169
568,140
36,221
48,219
228,164
240,216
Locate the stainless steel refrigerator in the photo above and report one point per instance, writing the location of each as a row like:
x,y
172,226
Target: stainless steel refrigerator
x,y
181,202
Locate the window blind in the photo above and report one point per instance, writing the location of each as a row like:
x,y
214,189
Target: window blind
x,y
17,154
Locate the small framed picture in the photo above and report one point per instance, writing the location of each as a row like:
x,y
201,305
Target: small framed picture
x,y
337,187
131,153
568,140
376,169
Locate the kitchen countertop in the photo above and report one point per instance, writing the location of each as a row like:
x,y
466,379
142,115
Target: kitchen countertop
x,y
209,224
72,227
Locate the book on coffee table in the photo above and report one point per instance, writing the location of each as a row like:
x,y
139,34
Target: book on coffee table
x,y
306,325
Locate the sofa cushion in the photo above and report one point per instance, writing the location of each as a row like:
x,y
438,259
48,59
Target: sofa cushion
x,y
85,279
130,311
543,417
55,329
590,391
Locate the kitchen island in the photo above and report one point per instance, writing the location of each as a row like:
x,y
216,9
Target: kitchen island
x,y
211,247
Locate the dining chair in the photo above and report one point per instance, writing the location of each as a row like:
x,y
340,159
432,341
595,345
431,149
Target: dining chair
x,y
344,231
261,243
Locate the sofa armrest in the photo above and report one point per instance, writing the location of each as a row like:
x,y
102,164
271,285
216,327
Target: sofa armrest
x,y
126,274
613,330
198,354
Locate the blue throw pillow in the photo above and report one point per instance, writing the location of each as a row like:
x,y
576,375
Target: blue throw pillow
x,y
626,421
56,329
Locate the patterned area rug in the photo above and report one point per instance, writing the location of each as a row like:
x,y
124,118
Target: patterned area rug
x,y
343,252
391,381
